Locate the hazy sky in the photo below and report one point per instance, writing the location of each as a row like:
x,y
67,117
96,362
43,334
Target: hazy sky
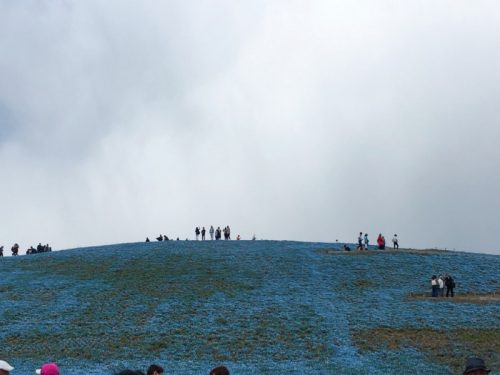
x,y
293,120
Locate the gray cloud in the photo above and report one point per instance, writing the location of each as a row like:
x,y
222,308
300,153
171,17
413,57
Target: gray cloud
x,y
288,119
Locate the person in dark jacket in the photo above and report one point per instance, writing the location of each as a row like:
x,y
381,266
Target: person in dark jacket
x,y
1,251
15,250
449,283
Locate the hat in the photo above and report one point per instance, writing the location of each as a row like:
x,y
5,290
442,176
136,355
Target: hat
x,y
473,364
5,366
48,369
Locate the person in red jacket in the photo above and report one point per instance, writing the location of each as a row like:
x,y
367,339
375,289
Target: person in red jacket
x,y
381,242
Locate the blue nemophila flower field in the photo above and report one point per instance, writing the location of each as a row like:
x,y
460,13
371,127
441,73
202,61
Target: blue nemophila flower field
x,y
255,306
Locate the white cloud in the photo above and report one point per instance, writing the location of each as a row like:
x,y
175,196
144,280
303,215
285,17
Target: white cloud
x,y
293,120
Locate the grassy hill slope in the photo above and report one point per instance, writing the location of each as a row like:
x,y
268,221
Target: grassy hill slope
x,y
257,306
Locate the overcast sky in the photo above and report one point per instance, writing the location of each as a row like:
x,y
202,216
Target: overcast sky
x,y
293,120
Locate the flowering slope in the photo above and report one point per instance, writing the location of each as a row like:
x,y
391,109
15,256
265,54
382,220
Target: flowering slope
x,y
256,306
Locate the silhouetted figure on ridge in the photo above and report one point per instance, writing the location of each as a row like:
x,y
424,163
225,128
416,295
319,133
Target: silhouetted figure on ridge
x,y
147,239
15,250
159,238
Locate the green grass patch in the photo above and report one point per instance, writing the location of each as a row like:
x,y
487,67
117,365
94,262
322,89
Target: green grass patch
x,y
450,348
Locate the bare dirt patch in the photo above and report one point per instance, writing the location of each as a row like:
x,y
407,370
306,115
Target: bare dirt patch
x,y
493,297
447,347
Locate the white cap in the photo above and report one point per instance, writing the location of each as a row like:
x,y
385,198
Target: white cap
x,y
5,366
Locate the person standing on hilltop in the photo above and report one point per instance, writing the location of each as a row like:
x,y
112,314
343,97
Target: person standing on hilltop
x,y
366,241
228,233
434,286
211,231
381,242
197,233
450,285
395,243
203,231
441,286
360,241
1,251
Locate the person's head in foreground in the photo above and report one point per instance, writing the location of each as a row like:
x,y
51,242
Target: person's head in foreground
x,y
155,370
221,370
475,366
5,368
48,369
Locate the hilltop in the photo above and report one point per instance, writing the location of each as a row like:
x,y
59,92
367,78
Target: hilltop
x,y
256,306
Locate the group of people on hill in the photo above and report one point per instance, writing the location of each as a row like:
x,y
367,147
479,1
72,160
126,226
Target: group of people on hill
x,y
53,369
31,250
160,238
217,233
438,284
364,242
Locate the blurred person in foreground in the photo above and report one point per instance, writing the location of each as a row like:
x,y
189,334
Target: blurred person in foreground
x,y
475,366
221,370
48,369
5,368
155,370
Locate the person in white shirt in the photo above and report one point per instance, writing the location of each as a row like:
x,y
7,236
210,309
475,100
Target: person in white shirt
x,y
434,285
360,241
395,241
441,286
